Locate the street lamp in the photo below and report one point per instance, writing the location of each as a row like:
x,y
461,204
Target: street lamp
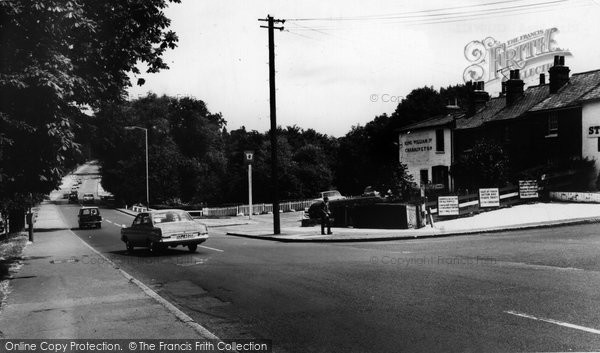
x,y
147,182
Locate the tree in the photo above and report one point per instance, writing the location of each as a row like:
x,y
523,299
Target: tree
x,y
487,165
55,57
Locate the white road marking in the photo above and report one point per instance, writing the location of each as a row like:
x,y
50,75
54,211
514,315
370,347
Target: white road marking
x,y
556,322
109,221
208,247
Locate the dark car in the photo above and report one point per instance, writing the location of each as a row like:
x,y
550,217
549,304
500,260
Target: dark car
x,y
89,217
73,197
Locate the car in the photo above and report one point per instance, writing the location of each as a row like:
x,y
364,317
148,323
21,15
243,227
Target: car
x,y
370,192
88,198
73,197
89,217
159,229
331,195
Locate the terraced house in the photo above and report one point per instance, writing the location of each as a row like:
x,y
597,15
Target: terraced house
x,y
549,123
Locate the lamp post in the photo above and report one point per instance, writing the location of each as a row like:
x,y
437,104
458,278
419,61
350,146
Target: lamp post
x,y
147,180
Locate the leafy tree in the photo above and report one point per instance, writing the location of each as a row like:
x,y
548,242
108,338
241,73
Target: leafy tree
x,y
487,165
56,56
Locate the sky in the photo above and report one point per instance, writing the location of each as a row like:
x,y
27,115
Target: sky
x,y
341,63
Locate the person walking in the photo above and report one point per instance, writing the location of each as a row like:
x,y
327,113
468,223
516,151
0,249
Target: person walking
x,y
325,216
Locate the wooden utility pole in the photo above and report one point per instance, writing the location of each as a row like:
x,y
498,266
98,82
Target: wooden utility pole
x,y
273,133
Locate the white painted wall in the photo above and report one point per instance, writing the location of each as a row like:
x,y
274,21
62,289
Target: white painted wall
x,y
590,117
418,151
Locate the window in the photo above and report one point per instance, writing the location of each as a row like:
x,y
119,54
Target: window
x,y
553,124
439,174
439,140
137,220
424,176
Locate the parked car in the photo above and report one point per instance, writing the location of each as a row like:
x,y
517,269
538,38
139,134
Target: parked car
x,y
314,211
370,192
89,217
88,198
73,197
159,229
331,195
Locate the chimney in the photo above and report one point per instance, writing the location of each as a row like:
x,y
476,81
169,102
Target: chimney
x,y
559,74
542,79
478,97
514,87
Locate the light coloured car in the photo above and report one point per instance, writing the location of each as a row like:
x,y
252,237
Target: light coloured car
x,y
160,229
331,195
88,198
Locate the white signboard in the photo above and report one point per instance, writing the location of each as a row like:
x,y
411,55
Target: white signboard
x,y
489,197
448,206
528,189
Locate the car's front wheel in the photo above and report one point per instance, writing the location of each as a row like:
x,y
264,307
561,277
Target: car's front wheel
x,y
154,247
192,247
129,246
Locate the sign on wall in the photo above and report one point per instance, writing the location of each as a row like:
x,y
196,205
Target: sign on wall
x,y
528,189
489,197
593,131
448,206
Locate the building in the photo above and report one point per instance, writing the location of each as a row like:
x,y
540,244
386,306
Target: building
x,y
426,149
541,125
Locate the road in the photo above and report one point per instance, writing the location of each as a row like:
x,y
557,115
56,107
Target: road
x,y
533,290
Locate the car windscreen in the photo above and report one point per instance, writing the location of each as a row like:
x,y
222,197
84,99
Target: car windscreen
x,y
170,216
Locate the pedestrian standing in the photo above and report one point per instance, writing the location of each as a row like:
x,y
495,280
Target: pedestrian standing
x,y
325,216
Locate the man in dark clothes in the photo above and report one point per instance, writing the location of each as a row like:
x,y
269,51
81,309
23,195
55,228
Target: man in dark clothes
x,y
325,216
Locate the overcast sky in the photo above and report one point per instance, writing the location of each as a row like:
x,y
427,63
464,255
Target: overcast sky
x,y
341,63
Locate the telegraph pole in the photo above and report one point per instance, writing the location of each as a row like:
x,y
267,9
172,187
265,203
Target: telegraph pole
x,y
273,133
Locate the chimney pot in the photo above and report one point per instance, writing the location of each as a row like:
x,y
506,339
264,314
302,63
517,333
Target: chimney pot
x,y
559,74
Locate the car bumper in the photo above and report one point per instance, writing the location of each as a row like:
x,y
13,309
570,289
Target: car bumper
x,y
173,240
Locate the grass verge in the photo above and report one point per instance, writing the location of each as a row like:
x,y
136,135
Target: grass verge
x,y
11,250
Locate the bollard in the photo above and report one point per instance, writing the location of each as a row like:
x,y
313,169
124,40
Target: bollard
x,y
30,224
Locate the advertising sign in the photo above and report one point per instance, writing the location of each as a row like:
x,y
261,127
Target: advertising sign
x,y
489,197
448,206
528,189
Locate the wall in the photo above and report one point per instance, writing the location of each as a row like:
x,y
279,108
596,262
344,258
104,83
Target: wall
x,y
418,151
590,117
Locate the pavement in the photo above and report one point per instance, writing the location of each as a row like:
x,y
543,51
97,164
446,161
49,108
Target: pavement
x,y
526,216
66,289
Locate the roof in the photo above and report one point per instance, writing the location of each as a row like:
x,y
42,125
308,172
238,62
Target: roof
x,y
581,86
497,110
483,115
436,121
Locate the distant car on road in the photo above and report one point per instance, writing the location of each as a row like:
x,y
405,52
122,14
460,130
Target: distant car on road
x,y
88,198
73,197
89,217
159,229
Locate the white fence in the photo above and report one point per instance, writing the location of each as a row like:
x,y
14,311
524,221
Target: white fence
x,y
260,208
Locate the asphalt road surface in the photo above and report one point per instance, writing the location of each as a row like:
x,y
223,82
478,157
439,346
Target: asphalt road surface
x,y
535,290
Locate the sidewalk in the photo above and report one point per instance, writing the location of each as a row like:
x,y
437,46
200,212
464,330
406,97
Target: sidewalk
x,y
59,293
514,218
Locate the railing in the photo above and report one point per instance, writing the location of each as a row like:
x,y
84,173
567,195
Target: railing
x,y
261,208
